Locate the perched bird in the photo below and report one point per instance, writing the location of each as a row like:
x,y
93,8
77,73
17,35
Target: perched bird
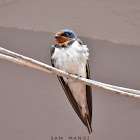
x,y
70,55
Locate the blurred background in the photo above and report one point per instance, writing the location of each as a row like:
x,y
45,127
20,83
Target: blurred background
x,y
33,104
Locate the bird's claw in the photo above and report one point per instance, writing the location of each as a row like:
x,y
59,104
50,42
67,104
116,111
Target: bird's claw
x,y
78,77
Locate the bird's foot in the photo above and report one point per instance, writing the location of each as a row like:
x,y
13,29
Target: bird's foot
x,y
69,74
78,77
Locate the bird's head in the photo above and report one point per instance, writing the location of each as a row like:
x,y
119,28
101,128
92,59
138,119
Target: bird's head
x,y
64,36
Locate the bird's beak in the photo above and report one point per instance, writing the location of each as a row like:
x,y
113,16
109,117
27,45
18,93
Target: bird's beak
x,y
56,36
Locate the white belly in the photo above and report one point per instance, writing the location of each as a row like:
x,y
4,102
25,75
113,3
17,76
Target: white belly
x,y
72,59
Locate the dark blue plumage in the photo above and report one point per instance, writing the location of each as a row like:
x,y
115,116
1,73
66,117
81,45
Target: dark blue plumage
x,y
66,33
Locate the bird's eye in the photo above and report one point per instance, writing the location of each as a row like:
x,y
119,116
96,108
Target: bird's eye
x,y
67,34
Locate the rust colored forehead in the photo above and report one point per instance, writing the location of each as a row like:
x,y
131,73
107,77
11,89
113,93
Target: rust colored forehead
x,y
60,33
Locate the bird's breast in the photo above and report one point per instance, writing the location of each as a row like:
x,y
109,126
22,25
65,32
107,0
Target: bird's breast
x,y
72,59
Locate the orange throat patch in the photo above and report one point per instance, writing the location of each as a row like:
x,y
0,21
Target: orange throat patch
x,y
62,40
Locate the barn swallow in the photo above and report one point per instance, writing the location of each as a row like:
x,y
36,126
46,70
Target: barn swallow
x,y
70,55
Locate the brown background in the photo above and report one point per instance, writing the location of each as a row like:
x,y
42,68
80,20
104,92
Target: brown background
x,y
33,105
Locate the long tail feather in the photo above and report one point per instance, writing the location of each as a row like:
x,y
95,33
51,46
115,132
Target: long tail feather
x,y
88,123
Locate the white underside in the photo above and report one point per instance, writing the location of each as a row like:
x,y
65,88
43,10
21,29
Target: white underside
x,y
73,60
